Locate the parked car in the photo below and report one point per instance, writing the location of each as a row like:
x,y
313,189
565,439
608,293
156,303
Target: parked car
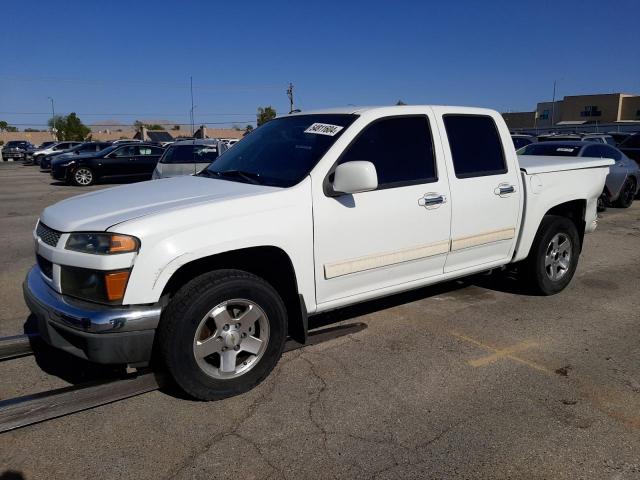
x,y
520,140
59,147
187,157
309,213
623,181
64,155
120,161
631,147
15,150
565,137
599,138
127,140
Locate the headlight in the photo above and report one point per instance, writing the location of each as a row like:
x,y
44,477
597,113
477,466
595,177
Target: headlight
x,y
102,243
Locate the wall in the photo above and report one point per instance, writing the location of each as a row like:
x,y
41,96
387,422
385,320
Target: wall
x,y
630,108
608,104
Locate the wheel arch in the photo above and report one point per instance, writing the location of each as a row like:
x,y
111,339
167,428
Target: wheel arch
x,y
268,262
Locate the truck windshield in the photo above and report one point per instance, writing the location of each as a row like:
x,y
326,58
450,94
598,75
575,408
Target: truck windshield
x,y
282,151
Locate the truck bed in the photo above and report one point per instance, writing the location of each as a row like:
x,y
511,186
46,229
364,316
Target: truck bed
x,y
532,164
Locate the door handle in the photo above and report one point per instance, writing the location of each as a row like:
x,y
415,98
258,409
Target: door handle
x,y
432,200
504,189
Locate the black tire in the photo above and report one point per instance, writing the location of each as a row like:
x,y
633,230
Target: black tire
x,y
82,176
627,194
188,308
602,203
537,274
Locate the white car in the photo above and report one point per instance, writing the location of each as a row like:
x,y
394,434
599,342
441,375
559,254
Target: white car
x,y
311,212
187,157
56,147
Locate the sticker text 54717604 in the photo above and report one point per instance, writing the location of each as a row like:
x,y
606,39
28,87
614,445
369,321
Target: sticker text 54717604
x,y
324,129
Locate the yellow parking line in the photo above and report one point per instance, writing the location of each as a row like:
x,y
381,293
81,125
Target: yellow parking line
x,y
501,353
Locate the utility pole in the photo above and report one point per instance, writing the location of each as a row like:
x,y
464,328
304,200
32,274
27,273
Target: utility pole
x,y
192,120
290,95
553,105
53,119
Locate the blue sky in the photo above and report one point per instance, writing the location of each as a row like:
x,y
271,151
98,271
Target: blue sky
x,y
126,60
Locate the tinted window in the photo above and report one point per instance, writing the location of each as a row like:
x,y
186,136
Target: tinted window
x,y
551,149
190,154
631,142
610,141
519,142
602,151
282,151
128,151
475,145
400,148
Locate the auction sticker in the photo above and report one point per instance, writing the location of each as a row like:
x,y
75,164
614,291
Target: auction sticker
x,y
324,129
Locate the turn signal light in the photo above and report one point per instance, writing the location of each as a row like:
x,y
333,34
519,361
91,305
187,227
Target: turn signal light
x,y
116,284
122,243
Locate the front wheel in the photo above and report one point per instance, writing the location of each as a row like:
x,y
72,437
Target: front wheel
x,y
553,257
628,193
82,177
222,334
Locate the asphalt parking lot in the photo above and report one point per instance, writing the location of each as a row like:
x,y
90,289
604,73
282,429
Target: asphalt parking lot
x,y
471,379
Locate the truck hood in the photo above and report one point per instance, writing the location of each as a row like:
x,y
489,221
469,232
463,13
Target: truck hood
x,y
97,211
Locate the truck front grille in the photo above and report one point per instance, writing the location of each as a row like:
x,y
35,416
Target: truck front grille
x,y
47,235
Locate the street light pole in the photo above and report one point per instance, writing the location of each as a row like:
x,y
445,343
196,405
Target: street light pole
x,y
553,105
53,119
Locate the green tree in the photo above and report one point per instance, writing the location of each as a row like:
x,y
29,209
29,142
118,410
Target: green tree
x,y
3,125
69,127
176,127
11,129
154,126
265,114
248,128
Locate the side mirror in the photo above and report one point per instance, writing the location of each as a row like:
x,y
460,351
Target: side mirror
x,y
355,177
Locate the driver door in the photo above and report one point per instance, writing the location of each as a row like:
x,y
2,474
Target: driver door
x,y
396,234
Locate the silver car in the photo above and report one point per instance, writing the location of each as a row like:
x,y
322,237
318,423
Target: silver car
x,y
622,184
188,157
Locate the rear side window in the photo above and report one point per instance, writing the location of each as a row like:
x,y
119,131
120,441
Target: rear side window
x,y
401,149
475,144
190,154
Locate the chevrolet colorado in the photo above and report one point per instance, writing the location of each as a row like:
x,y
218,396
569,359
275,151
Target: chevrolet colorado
x,y
310,212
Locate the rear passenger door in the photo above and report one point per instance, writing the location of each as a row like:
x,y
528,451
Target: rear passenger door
x,y
119,163
146,159
484,179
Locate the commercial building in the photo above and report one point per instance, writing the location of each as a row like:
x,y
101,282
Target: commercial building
x,y
619,109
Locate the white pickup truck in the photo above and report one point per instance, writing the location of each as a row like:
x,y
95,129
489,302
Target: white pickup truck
x,y
208,274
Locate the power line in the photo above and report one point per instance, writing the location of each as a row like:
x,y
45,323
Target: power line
x,y
120,125
125,114
204,87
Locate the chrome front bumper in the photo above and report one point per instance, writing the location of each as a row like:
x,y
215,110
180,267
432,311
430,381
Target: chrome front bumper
x,y
99,333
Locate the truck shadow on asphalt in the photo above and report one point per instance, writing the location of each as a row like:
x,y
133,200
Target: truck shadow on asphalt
x,y
75,370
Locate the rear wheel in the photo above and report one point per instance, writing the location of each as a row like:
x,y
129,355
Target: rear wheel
x,y
222,334
628,193
82,177
553,258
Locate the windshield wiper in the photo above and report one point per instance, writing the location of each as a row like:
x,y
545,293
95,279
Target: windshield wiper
x,y
249,177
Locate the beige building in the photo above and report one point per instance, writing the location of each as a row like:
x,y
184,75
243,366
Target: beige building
x,y
579,110
39,137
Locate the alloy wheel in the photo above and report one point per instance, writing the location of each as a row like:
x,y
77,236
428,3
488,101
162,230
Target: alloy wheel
x,y
83,176
558,257
231,339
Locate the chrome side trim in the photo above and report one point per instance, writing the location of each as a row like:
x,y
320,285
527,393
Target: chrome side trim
x,y
482,239
369,262
43,301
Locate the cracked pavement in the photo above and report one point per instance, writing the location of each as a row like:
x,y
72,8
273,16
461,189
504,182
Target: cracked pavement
x,y
470,379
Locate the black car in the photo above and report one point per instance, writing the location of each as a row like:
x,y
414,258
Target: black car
x,y
122,161
15,150
631,147
521,140
83,148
